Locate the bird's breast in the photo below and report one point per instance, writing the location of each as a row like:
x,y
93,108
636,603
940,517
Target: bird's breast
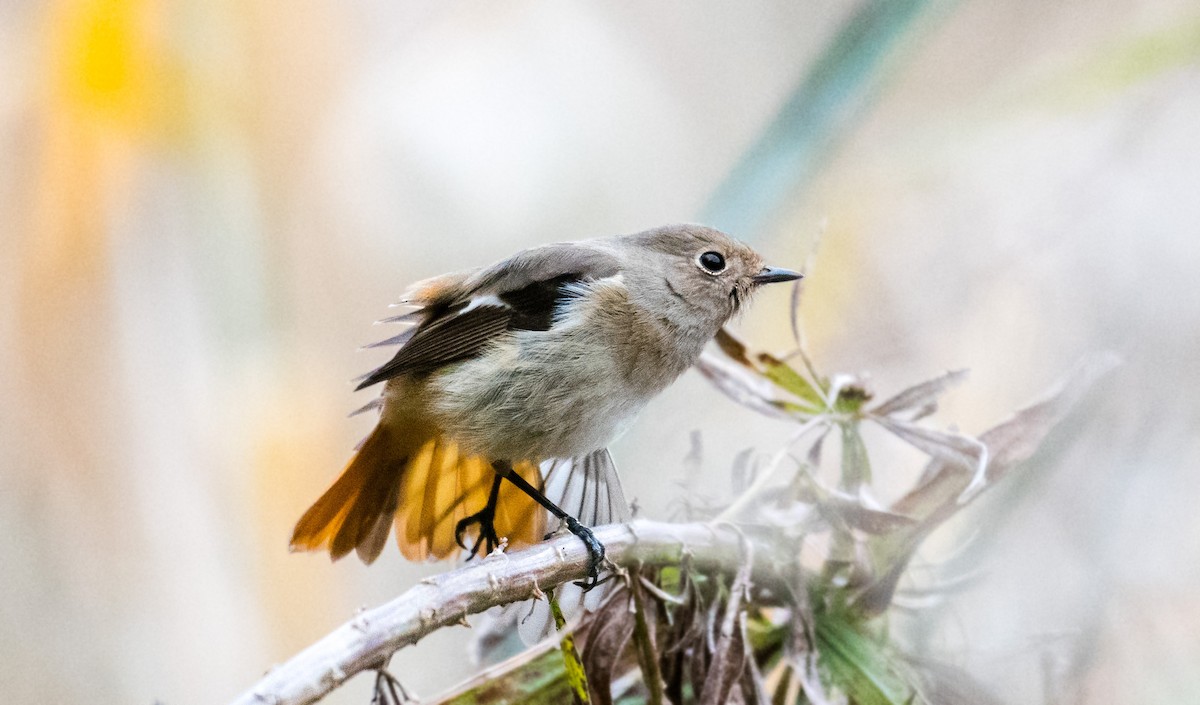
x,y
566,391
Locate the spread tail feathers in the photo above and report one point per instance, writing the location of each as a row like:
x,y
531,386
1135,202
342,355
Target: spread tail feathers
x,y
427,487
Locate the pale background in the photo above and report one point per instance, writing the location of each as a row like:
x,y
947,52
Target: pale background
x,y
205,204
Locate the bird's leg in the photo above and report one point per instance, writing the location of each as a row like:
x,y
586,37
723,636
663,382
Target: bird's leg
x,y
595,549
486,518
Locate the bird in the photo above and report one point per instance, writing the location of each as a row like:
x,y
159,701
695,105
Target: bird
x,y
511,381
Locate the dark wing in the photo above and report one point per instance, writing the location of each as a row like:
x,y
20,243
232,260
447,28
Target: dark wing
x,y
520,293
456,335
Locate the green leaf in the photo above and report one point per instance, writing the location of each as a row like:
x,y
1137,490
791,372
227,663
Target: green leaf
x,y
857,663
670,579
790,380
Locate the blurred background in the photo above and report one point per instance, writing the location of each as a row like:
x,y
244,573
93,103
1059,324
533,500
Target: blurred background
x,y
206,204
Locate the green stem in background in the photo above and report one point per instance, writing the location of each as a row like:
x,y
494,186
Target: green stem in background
x,y
576,677
856,465
821,109
647,654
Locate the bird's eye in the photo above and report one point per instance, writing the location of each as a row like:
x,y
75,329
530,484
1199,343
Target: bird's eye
x,y
712,262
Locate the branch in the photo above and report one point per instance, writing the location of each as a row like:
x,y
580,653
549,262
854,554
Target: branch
x,y
370,638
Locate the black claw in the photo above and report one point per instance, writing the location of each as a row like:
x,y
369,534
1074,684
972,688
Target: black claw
x,y
487,532
388,690
459,529
486,519
595,551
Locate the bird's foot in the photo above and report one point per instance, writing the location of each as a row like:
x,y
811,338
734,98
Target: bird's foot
x,y
595,551
487,538
389,690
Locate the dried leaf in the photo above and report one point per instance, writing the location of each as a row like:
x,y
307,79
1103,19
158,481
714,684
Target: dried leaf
x,y
698,667
733,348
761,365
1009,444
711,631
767,633
729,653
850,509
859,517
1017,439
683,644
742,385
647,651
945,486
955,449
921,396
754,691
608,633
680,640
729,658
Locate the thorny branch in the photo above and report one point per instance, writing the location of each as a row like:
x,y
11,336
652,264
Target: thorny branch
x,y
832,643
443,600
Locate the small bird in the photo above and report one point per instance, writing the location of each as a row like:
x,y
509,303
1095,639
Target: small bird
x,y
513,379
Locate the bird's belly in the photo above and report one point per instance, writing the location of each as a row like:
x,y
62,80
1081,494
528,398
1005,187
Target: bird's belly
x,y
553,401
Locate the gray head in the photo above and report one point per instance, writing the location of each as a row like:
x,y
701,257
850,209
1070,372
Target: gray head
x,y
702,271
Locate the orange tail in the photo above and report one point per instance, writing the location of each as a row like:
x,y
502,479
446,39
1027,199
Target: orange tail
x,y
428,491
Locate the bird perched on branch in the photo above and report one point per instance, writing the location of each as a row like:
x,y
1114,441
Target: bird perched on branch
x,y
511,382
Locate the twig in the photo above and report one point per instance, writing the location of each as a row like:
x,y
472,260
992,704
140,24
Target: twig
x,y
444,600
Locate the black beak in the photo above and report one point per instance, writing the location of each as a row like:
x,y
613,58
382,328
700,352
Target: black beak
x,y
770,275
